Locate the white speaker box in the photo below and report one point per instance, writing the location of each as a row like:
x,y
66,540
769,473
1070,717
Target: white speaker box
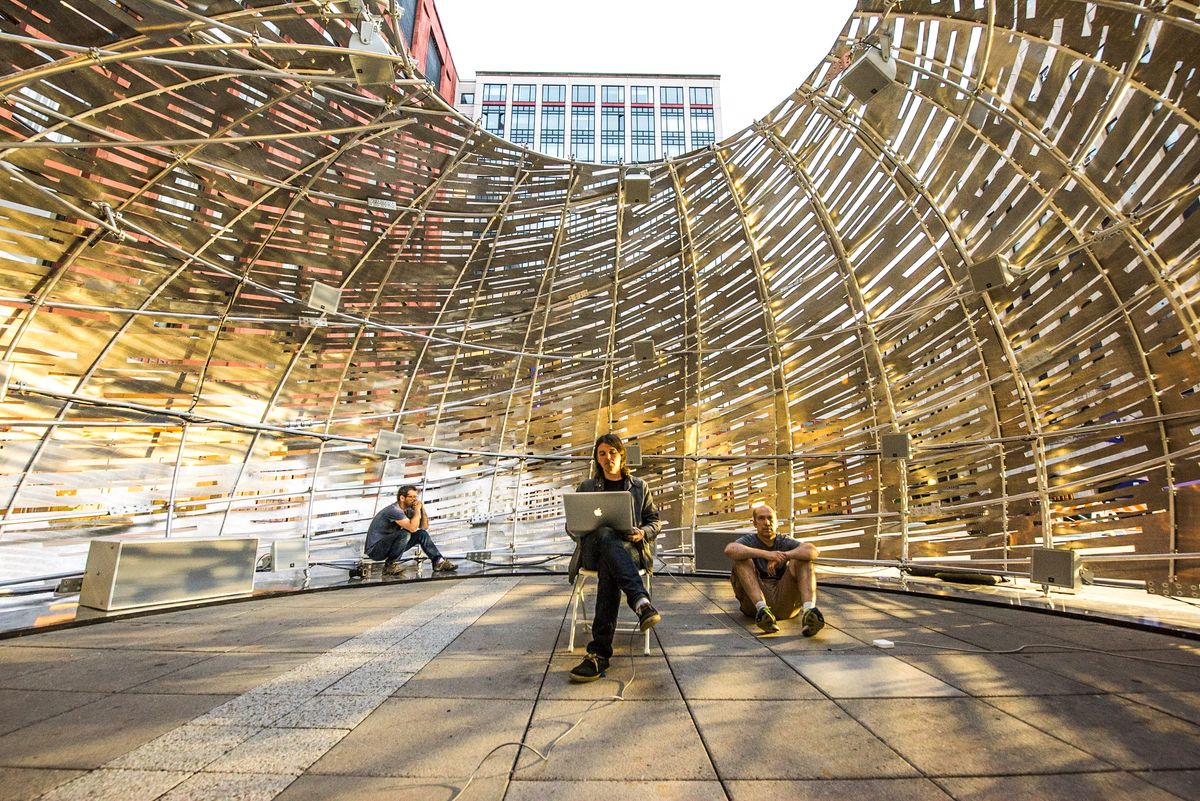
x,y
289,554
895,446
388,443
991,273
869,75
1058,567
366,44
633,454
637,187
324,297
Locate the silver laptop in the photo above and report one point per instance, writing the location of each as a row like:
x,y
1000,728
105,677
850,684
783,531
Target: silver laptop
x,y
588,511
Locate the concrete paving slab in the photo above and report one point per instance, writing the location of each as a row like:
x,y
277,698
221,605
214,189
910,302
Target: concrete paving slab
x,y
857,616
1062,787
724,678
515,678
1183,783
823,742
117,785
1011,615
497,640
331,712
224,673
645,678
449,738
1128,735
372,679
867,675
907,640
1116,674
788,639
990,636
987,741
522,790
20,708
985,675
21,784
106,671
601,746
1182,705
90,735
836,790
316,673
385,788
252,709
19,660
315,639
278,751
188,748
230,787
711,637
213,635
1118,638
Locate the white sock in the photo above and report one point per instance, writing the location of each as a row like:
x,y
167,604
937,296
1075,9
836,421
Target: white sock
x,y
807,605
761,605
641,603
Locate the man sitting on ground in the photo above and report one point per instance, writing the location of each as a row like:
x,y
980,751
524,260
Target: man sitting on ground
x,y
400,526
773,576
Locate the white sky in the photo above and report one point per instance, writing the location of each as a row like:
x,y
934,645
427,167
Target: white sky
x,y
762,49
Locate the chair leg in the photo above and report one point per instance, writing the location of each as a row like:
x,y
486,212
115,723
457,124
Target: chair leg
x,y
646,643
578,604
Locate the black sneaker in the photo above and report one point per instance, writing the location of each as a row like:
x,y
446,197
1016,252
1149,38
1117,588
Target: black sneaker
x,y
765,619
591,668
811,622
648,617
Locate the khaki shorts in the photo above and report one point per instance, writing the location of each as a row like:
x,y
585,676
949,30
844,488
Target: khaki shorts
x,y
782,595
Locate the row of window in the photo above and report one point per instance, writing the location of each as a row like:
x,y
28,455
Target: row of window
x,y
557,93
612,131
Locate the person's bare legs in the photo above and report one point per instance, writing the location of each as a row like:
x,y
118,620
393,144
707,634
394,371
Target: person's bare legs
x,y
797,586
746,586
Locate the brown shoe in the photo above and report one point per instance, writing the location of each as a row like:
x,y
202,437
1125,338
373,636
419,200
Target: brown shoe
x,y
392,569
445,566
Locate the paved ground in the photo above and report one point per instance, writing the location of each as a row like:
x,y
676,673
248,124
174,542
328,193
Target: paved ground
x,y
400,691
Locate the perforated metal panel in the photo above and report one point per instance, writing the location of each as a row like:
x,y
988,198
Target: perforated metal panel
x,y
171,188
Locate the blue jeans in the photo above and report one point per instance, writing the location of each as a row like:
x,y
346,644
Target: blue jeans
x,y
393,546
618,573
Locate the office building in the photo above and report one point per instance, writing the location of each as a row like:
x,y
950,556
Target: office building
x,y
609,118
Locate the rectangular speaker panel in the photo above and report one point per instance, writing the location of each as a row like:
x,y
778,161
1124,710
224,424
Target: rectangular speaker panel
x,y
126,574
710,550
1057,567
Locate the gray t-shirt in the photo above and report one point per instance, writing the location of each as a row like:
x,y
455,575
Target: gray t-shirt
x,y
781,543
384,524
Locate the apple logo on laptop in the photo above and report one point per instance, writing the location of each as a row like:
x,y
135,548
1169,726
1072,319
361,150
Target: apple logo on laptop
x,y
597,512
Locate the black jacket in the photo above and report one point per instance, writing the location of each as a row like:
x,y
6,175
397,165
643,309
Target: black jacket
x,y
645,517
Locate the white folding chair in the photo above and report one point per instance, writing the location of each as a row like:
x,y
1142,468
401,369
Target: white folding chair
x,y
579,612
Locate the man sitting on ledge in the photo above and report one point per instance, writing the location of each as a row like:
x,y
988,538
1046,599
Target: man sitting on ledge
x,y
773,576
400,526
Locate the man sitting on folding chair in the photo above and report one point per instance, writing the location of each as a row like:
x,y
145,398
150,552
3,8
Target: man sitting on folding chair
x,y
616,556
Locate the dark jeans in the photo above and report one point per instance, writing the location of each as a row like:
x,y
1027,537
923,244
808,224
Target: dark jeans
x,y
393,546
618,572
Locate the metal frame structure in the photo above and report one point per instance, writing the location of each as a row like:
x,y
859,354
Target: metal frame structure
x,y
175,175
